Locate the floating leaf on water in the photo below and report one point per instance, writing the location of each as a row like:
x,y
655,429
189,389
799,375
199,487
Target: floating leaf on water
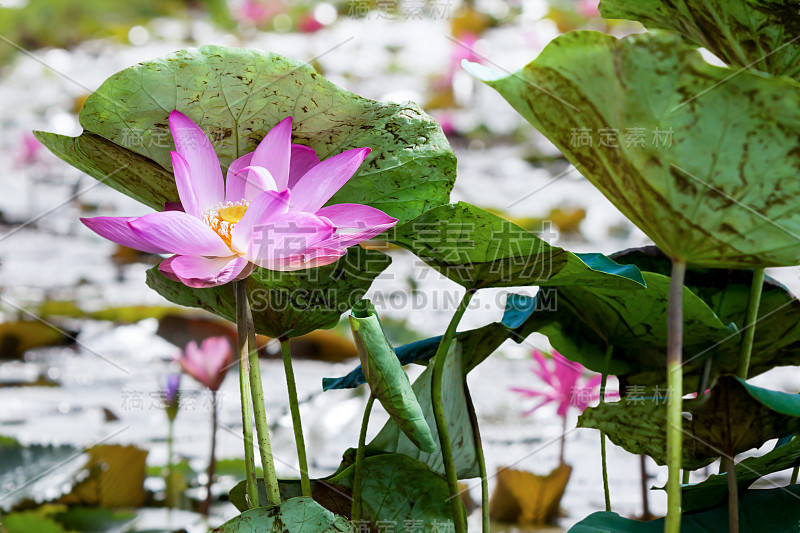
x,y
528,499
115,478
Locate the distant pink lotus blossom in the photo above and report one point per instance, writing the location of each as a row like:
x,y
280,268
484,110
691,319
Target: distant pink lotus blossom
x,y
29,150
259,12
208,362
588,8
567,386
309,24
267,212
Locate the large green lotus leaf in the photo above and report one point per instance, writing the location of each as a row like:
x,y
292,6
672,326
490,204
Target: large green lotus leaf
x,y
759,34
396,490
773,510
714,490
392,439
236,96
580,322
479,343
732,418
388,382
117,167
704,162
287,304
777,335
296,515
478,249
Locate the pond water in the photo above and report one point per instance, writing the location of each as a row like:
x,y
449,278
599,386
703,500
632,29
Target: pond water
x,y
45,253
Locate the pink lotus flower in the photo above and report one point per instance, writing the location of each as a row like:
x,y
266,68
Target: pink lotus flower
x,y
267,212
259,12
208,362
567,387
28,151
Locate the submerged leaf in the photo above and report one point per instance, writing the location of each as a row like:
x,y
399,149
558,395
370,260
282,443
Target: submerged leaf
x,y
387,380
25,469
704,162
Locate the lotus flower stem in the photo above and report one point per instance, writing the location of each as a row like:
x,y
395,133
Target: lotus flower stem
x,y
171,497
685,476
441,418
212,459
247,405
750,322
294,405
476,435
733,496
672,524
795,471
603,380
358,469
248,351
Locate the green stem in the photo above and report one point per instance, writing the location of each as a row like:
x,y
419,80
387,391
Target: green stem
x,y
733,497
244,314
476,435
441,419
685,479
672,524
212,460
603,380
247,403
794,475
170,467
358,469
751,318
294,405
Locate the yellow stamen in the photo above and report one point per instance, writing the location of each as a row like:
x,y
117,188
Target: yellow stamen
x,y
233,213
224,217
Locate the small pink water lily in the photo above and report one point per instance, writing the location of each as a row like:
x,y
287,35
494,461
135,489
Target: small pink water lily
x,y
267,212
567,389
208,362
